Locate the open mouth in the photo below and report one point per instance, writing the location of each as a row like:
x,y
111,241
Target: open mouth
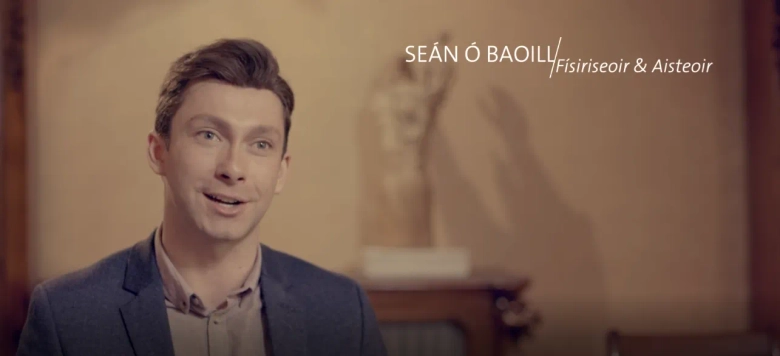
x,y
222,199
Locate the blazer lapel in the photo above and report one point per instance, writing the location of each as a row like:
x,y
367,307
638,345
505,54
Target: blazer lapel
x,y
285,315
145,317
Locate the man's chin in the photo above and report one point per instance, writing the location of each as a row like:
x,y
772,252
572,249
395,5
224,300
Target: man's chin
x,y
226,230
226,234
226,237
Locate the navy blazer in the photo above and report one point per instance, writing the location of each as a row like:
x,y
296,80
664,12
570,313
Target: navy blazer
x,y
116,307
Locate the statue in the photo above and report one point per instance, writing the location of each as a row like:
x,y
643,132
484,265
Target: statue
x,y
402,111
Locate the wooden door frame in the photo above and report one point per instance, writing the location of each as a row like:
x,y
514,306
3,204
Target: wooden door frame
x,y
762,74
13,175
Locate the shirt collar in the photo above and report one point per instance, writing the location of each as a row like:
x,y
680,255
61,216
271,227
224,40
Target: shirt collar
x,y
180,294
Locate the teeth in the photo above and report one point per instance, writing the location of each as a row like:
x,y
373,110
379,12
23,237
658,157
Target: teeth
x,y
222,200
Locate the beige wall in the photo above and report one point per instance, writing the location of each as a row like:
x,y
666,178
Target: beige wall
x,y
621,196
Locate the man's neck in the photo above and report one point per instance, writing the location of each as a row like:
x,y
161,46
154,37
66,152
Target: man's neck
x,y
211,268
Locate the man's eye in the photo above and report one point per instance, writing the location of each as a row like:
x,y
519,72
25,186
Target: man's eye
x,y
208,135
263,145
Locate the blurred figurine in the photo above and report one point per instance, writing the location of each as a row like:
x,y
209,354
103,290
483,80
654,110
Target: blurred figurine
x,y
404,104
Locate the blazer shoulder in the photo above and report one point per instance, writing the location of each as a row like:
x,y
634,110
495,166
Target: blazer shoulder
x,y
103,275
299,271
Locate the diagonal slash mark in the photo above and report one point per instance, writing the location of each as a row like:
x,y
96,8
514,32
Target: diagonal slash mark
x,y
556,56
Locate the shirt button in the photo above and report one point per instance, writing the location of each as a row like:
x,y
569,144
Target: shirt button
x,y
216,322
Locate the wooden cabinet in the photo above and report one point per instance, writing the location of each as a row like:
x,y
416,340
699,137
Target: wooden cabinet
x,y
482,315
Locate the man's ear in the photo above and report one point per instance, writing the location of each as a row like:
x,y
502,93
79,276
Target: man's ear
x,y
157,152
284,169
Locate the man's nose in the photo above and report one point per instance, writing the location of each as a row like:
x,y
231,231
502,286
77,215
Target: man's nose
x,y
232,166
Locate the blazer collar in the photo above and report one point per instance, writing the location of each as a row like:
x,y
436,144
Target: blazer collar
x,y
145,316
284,310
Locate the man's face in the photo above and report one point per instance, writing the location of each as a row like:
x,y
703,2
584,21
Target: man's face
x,y
225,158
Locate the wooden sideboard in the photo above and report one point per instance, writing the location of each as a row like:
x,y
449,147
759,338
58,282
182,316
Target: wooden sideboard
x,y
487,308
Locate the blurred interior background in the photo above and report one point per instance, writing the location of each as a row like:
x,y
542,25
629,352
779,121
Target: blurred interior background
x,y
625,199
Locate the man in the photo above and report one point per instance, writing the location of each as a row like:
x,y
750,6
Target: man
x,y
203,283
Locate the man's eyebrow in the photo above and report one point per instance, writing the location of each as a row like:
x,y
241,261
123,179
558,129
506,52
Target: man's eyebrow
x,y
214,120
266,129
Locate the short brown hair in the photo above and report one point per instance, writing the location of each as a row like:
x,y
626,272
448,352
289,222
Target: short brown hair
x,y
240,62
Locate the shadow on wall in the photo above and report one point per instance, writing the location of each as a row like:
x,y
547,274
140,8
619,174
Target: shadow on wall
x,y
546,239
